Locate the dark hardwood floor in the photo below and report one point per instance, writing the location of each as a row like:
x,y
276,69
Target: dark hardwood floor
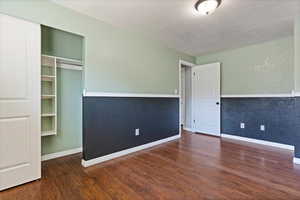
x,y
194,167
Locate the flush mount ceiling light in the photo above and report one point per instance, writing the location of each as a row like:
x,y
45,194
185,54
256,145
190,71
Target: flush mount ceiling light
x,y
206,7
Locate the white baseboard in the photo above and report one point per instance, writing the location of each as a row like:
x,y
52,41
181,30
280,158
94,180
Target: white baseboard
x,y
112,94
61,154
125,152
257,95
263,142
297,160
188,129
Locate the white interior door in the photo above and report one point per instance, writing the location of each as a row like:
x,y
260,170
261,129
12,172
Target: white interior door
x,y
20,135
206,99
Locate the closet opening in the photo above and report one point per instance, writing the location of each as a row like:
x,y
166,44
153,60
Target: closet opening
x,y
62,67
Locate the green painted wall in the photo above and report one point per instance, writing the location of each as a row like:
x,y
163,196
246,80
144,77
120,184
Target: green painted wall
x,y
69,113
266,68
297,53
116,60
62,44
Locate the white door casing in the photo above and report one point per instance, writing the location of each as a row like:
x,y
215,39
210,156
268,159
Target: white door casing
x,y
182,97
20,138
206,99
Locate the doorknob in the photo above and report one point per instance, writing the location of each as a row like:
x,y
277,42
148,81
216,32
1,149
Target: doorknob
x,y
218,103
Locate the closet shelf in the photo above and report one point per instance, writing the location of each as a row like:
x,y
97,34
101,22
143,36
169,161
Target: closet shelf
x,y
49,115
48,78
48,96
47,133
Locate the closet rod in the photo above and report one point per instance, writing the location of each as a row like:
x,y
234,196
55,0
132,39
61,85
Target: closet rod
x,y
69,66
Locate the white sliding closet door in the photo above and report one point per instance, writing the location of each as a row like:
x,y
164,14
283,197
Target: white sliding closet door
x,y
206,99
20,134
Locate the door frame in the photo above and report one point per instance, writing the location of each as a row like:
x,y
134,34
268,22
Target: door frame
x,y
183,96
188,64
193,127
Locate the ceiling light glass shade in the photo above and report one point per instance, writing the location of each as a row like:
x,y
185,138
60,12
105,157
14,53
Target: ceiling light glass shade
x,y
206,7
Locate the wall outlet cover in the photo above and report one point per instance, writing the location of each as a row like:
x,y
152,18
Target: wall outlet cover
x,y
242,125
262,127
137,132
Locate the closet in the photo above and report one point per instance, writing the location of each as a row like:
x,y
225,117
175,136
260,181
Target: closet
x,y
61,91
40,97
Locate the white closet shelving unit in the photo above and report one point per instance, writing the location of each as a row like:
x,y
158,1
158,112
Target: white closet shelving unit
x,y
49,90
49,97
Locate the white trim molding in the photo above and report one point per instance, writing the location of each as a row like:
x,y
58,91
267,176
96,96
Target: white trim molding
x,y
263,142
125,152
296,161
61,154
297,94
107,94
186,63
188,129
257,95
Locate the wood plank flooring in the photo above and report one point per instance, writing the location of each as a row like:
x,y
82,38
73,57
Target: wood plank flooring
x,y
194,167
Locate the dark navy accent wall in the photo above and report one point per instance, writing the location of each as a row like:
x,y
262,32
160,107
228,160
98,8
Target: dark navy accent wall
x,y
297,127
109,123
280,116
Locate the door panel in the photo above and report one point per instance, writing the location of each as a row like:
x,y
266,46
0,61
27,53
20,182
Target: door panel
x,y
13,51
206,99
14,131
20,135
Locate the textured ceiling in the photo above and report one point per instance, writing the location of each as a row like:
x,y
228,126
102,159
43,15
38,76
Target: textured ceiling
x,y
176,23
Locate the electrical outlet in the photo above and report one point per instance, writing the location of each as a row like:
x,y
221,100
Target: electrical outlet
x,y
137,132
242,125
262,127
